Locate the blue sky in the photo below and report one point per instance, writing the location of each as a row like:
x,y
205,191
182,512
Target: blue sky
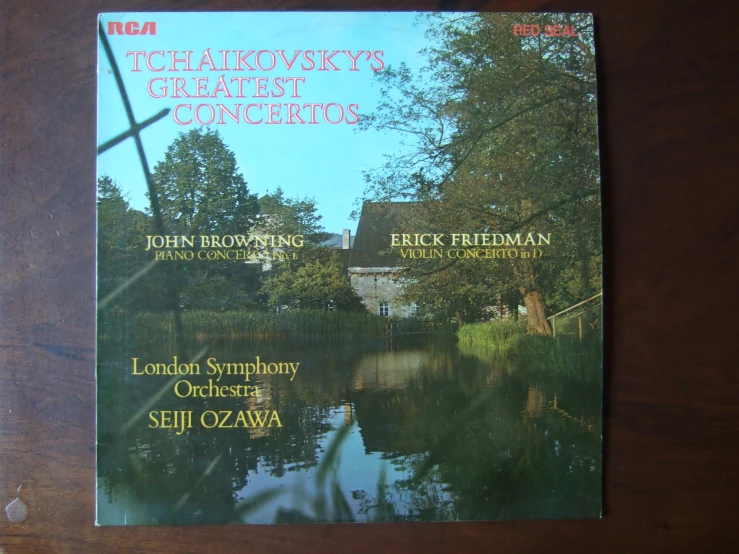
x,y
322,161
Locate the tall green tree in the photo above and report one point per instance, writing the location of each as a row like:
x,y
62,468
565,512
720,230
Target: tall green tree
x,y
501,136
119,242
202,192
200,188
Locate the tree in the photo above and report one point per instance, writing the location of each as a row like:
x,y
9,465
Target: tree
x,y
290,216
112,224
112,238
463,292
121,242
501,136
316,285
280,215
120,233
314,279
200,188
202,192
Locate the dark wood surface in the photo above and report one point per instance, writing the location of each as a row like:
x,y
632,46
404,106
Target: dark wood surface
x,y
669,113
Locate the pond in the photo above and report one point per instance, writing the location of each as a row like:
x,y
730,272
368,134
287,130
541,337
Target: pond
x,y
413,430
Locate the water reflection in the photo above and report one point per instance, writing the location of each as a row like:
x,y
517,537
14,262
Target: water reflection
x,y
427,432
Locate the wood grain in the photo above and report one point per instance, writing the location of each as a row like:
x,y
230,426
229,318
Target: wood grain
x,y
669,115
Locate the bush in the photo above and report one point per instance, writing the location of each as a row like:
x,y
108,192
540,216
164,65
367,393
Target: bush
x,y
496,335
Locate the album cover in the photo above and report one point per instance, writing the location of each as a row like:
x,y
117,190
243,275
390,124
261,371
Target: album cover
x,y
349,268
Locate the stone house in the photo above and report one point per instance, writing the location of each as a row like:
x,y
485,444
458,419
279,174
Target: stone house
x,y
372,265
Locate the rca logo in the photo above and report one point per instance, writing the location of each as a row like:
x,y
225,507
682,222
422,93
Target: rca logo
x,y
132,28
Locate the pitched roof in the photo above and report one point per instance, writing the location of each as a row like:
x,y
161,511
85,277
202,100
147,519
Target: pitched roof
x,y
376,223
343,256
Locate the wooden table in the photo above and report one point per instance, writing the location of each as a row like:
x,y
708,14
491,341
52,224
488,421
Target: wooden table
x,y
668,83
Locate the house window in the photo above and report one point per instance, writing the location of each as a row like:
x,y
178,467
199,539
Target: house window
x,y
384,309
413,310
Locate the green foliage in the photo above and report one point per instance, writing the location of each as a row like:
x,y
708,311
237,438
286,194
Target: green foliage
x,y
501,136
463,293
496,335
217,292
291,216
315,285
200,189
121,231
114,218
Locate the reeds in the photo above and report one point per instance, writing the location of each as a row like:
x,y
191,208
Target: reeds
x,y
494,335
252,325
564,355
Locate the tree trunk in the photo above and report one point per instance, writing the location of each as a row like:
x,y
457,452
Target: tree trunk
x,y
536,319
459,319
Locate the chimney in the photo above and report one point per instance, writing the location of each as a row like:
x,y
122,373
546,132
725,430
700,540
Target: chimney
x,y
346,242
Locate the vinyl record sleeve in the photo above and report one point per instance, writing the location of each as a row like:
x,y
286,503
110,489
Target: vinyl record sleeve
x,y
349,268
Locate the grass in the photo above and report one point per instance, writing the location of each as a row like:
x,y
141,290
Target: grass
x,y
493,335
564,354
